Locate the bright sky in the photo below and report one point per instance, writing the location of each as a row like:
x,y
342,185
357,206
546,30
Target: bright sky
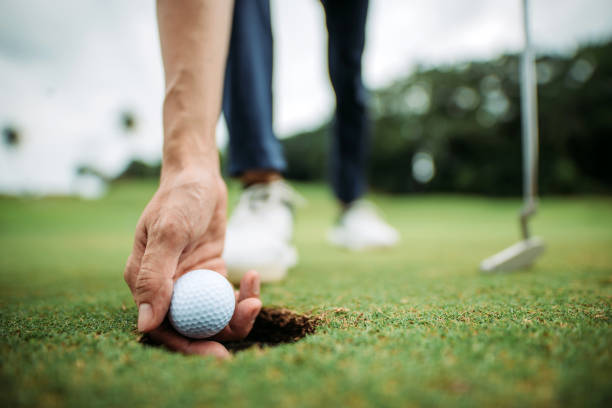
x,y
68,68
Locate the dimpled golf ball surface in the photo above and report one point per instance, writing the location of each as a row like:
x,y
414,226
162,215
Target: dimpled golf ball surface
x,y
202,304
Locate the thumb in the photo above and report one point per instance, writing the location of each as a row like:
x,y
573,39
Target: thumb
x,y
154,284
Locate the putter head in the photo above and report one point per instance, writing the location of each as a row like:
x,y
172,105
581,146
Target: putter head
x,y
519,256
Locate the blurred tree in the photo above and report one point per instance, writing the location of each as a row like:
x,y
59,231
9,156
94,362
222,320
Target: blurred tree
x,y
467,118
11,136
128,121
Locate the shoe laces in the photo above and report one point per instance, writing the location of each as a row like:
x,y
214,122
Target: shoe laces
x,y
259,195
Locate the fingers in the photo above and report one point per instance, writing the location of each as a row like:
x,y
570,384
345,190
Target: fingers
x,y
249,286
244,318
172,340
247,308
153,288
133,263
242,322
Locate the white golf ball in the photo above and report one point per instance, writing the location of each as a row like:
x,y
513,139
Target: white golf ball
x,y
202,304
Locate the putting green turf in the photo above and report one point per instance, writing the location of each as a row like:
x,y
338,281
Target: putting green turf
x,y
412,326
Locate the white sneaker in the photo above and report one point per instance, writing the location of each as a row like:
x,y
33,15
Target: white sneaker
x,y
259,232
361,227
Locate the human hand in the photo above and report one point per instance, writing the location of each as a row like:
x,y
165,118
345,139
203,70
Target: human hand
x,y
248,306
182,229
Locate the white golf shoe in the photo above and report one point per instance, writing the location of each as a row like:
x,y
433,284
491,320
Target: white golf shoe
x,y
259,232
361,227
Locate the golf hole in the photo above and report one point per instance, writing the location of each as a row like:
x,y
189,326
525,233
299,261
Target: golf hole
x,y
273,326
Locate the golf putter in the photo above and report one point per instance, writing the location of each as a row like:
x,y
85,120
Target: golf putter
x,y
524,253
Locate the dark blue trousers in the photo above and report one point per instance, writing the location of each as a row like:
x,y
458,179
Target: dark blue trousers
x,y
247,99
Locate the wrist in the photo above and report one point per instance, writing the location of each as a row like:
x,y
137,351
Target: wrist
x,y
187,153
199,168
204,163
200,171
196,178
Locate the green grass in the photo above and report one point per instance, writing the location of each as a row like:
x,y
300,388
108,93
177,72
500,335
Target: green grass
x,y
412,326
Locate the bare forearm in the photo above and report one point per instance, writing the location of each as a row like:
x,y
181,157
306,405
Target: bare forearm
x,y
194,37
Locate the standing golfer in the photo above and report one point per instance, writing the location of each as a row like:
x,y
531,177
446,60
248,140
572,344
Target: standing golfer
x,y
183,226
260,230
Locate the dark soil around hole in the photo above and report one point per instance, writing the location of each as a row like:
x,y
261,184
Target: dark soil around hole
x,y
273,326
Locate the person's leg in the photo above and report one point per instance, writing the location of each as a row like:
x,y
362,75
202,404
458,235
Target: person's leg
x,y
346,21
260,230
359,225
254,152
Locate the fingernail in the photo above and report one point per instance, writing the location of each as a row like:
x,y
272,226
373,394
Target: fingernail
x,y
256,289
255,284
254,315
145,314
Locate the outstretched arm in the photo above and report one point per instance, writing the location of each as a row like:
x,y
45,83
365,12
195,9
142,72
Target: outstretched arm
x,y
183,226
194,37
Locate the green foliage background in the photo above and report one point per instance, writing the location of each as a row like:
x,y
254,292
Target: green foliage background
x,y
467,117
